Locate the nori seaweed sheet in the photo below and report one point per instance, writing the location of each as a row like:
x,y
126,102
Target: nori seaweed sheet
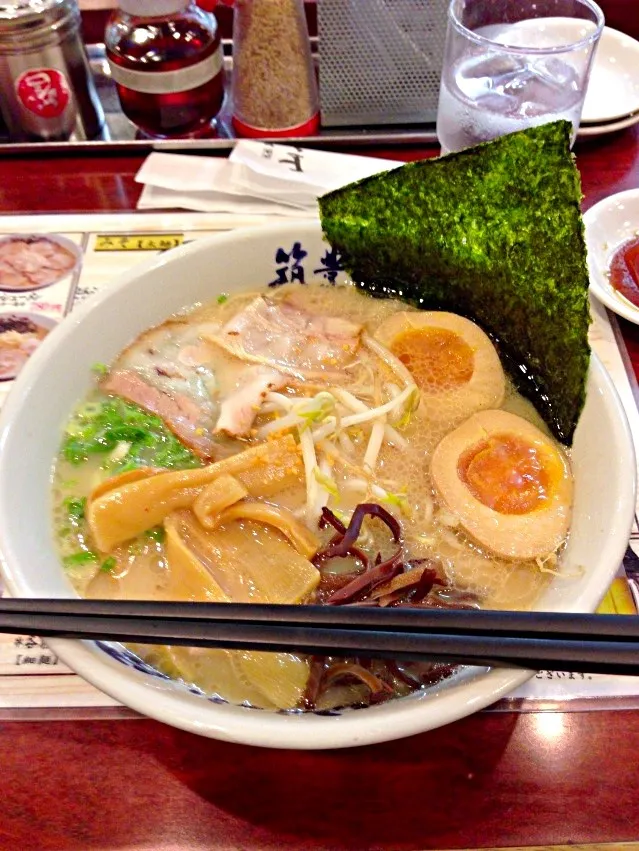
x,y
494,233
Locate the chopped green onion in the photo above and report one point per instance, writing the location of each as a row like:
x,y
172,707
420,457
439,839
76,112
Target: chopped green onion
x,y
111,426
222,298
75,507
83,557
108,564
156,534
100,368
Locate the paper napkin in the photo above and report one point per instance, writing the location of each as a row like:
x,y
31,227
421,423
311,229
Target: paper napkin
x,y
258,178
157,198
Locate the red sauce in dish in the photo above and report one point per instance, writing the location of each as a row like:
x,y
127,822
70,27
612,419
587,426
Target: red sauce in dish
x,y
624,270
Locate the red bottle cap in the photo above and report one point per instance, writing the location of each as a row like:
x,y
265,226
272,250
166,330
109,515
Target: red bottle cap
x,y
308,128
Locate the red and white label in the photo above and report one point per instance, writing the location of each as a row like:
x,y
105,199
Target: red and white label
x,y
43,91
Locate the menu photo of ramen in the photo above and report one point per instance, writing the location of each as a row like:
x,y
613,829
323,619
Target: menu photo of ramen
x,y
33,261
20,336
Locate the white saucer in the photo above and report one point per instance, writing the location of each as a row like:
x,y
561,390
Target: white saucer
x,y
613,89
610,223
608,127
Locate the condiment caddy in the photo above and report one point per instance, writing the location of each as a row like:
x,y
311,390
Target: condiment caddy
x,y
120,134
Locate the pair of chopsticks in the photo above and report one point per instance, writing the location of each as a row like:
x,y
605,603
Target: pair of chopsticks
x,y
533,640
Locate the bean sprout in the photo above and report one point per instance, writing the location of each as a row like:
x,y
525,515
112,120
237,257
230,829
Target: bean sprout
x,y
356,405
371,414
312,486
375,442
302,414
393,363
326,487
284,402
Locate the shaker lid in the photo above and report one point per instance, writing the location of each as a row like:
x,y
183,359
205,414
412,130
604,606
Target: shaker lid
x,y
152,8
11,9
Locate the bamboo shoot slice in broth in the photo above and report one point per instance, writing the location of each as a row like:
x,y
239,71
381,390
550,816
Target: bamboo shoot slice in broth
x,y
250,562
225,491
281,678
125,511
213,670
188,578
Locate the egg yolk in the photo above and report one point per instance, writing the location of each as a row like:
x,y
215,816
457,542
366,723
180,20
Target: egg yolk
x,y
437,358
506,473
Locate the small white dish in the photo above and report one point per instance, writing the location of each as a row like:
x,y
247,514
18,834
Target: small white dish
x,y
586,130
608,224
613,90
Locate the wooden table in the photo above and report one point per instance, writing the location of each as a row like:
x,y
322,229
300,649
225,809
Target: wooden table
x,y
495,779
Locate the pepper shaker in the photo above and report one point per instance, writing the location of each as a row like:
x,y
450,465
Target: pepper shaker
x,y
274,85
47,92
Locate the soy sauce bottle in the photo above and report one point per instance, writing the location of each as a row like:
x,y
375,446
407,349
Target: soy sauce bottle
x,y
166,60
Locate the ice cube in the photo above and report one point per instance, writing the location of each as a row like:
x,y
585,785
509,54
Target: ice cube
x,y
490,65
490,74
556,73
498,102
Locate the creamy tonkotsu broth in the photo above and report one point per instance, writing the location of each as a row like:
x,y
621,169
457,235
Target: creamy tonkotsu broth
x,y
224,455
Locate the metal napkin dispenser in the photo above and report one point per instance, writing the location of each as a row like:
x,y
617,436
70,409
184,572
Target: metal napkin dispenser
x,y
380,61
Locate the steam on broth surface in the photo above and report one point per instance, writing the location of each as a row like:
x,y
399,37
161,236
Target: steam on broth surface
x,y
309,444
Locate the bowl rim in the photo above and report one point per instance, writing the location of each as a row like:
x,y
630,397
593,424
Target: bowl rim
x,y
387,722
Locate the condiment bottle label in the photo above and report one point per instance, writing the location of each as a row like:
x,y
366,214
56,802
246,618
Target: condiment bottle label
x,y
168,82
43,91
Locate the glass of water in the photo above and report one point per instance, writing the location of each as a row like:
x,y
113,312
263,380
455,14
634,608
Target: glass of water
x,y
511,64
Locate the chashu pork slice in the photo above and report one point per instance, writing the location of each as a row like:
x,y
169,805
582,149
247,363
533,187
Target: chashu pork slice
x,y
240,407
170,371
188,422
290,339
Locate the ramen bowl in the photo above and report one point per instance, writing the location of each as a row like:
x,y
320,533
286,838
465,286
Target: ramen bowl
x,y
58,375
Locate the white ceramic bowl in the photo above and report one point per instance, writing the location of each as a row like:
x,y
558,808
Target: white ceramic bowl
x,y
58,375
609,224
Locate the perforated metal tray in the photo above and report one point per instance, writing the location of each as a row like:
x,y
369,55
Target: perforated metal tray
x,y
120,135
383,67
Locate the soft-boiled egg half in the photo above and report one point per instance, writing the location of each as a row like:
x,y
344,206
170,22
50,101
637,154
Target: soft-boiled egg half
x,y
452,361
508,484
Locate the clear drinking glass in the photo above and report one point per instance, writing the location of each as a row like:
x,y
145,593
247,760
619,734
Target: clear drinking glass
x,y
511,64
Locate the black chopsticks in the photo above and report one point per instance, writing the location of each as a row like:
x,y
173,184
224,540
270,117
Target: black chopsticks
x,y
533,640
